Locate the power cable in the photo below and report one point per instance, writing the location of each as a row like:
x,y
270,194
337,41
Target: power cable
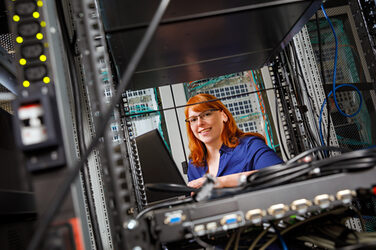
x,y
102,126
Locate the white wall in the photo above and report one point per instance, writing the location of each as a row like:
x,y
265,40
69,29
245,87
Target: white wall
x,y
173,122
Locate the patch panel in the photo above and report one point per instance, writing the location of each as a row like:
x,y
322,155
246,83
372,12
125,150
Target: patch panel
x,y
312,77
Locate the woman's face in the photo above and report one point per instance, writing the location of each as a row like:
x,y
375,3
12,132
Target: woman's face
x,y
207,126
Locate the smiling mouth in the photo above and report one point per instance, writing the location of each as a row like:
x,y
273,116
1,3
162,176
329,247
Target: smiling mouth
x,y
205,130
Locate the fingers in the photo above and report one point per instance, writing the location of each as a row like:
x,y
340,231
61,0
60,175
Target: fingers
x,y
197,183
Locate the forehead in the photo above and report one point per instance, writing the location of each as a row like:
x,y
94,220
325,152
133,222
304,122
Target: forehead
x,y
193,112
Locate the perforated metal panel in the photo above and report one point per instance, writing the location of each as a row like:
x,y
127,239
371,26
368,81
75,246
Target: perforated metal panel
x,y
7,42
352,68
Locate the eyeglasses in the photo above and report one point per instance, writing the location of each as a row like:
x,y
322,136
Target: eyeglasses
x,y
203,116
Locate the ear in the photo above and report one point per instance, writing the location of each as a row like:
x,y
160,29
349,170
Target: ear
x,y
224,116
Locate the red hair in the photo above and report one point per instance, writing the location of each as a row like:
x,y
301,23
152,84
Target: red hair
x,y
230,134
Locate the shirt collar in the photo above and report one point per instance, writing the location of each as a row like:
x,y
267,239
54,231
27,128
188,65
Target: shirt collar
x,y
225,149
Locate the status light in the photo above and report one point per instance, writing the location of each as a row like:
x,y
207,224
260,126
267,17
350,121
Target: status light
x,y
43,24
36,14
46,79
39,36
42,58
39,3
26,84
16,18
19,39
22,61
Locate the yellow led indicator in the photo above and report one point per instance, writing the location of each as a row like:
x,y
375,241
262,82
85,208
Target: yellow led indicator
x,y
46,79
22,61
19,39
36,14
39,36
26,84
42,58
39,3
43,24
16,18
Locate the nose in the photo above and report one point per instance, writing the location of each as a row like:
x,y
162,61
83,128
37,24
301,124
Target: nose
x,y
200,121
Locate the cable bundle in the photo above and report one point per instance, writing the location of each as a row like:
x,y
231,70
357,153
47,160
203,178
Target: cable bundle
x,y
293,170
320,230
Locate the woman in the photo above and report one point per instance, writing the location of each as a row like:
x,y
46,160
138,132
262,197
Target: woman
x,y
219,147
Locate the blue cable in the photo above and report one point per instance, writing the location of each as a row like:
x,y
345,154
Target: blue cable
x,y
282,241
323,104
334,82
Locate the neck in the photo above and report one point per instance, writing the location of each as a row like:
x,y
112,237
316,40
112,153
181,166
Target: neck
x,y
213,148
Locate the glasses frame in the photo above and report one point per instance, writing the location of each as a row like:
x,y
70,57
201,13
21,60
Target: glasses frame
x,y
200,115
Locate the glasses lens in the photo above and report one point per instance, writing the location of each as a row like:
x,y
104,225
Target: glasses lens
x,y
204,115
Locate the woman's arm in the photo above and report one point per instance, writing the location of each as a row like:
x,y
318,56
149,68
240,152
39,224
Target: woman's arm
x,y
231,180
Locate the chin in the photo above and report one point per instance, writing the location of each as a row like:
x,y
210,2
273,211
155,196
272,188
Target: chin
x,y
206,140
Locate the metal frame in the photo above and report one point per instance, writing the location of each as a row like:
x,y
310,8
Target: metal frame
x,y
63,96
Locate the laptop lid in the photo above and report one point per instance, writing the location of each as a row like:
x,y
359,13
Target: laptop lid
x,y
157,165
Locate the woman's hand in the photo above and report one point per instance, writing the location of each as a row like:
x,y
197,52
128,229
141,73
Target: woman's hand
x,y
232,180
197,183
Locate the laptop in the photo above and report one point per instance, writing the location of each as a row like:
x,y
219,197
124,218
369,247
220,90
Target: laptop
x,y
157,166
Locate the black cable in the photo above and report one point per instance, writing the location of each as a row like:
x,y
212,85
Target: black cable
x,y
306,123
296,135
277,115
164,204
86,181
310,151
300,101
294,171
170,187
202,243
102,126
298,68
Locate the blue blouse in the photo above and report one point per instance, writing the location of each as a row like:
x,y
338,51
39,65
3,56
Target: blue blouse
x,y
251,154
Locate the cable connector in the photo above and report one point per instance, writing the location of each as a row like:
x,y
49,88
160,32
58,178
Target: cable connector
x,y
206,189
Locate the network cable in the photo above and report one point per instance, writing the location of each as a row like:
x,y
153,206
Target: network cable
x,y
334,83
294,171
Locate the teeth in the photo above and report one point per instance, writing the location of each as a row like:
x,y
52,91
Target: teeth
x,y
205,130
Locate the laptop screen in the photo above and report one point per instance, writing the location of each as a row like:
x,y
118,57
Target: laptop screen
x,y
157,165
